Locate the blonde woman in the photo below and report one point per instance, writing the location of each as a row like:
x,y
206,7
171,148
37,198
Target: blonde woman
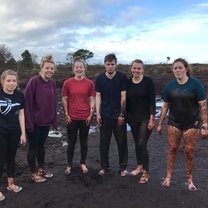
x,y
78,102
12,126
40,114
140,110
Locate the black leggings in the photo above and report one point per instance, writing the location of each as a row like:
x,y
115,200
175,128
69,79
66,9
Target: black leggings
x,y
141,136
36,148
8,149
72,130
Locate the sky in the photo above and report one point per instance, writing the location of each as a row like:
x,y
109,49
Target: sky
x,y
151,30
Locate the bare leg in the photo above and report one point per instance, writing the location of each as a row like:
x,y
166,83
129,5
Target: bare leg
x,y
174,137
190,140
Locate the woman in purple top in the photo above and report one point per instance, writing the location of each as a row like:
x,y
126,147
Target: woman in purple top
x,y
40,113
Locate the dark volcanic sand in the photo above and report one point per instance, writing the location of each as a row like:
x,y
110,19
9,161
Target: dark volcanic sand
x,y
111,190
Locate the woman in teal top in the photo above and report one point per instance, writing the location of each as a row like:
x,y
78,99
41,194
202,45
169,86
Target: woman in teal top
x,y
185,98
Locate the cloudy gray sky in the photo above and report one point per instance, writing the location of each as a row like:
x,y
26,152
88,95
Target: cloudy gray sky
x,y
149,30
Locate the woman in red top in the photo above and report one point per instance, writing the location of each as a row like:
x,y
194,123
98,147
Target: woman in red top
x,y
78,102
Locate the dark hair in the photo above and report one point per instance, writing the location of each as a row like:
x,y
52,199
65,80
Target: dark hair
x,y
110,57
185,63
138,61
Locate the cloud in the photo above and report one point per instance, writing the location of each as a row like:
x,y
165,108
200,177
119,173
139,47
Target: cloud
x,y
124,27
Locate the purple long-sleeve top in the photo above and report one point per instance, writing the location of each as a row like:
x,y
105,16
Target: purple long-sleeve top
x,y
40,103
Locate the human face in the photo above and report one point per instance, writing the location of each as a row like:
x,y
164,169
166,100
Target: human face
x,y
9,84
179,71
137,70
110,66
47,70
79,69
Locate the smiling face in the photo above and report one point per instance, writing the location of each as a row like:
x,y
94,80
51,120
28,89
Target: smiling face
x,y
137,69
179,70
47,70
79,69
9,83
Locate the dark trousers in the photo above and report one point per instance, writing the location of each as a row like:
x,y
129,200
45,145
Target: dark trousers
x,y
72,130
36,147
141,136
108,127
8,149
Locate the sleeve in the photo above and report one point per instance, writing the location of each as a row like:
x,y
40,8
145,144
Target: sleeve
x,y
124,82
29,94
64,91
22,104
92,89
97,84
152,102
200,91
165,96
54,122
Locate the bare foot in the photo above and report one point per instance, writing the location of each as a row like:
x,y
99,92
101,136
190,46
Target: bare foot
x,y
166,182
191,186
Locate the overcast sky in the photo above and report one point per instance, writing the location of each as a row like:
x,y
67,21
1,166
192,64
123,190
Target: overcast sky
x,y
150,30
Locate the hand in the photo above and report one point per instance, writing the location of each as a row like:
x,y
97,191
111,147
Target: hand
x,y
68,119
88,120
23,140
204,133
98,118
159,129
121,120
151,125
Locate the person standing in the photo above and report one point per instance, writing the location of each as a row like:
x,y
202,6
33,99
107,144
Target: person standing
x,y
110,109
140,111
78,103
40,113
12,126
185,98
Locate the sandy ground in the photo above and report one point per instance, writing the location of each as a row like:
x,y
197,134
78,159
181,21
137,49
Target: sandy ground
x,y
111,190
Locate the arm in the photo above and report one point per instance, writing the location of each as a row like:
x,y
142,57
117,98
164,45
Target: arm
x,y
22,127
204,119
97,105
92,106
151,123
123,108
66,115
29,108
163,113
55,119
152,105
